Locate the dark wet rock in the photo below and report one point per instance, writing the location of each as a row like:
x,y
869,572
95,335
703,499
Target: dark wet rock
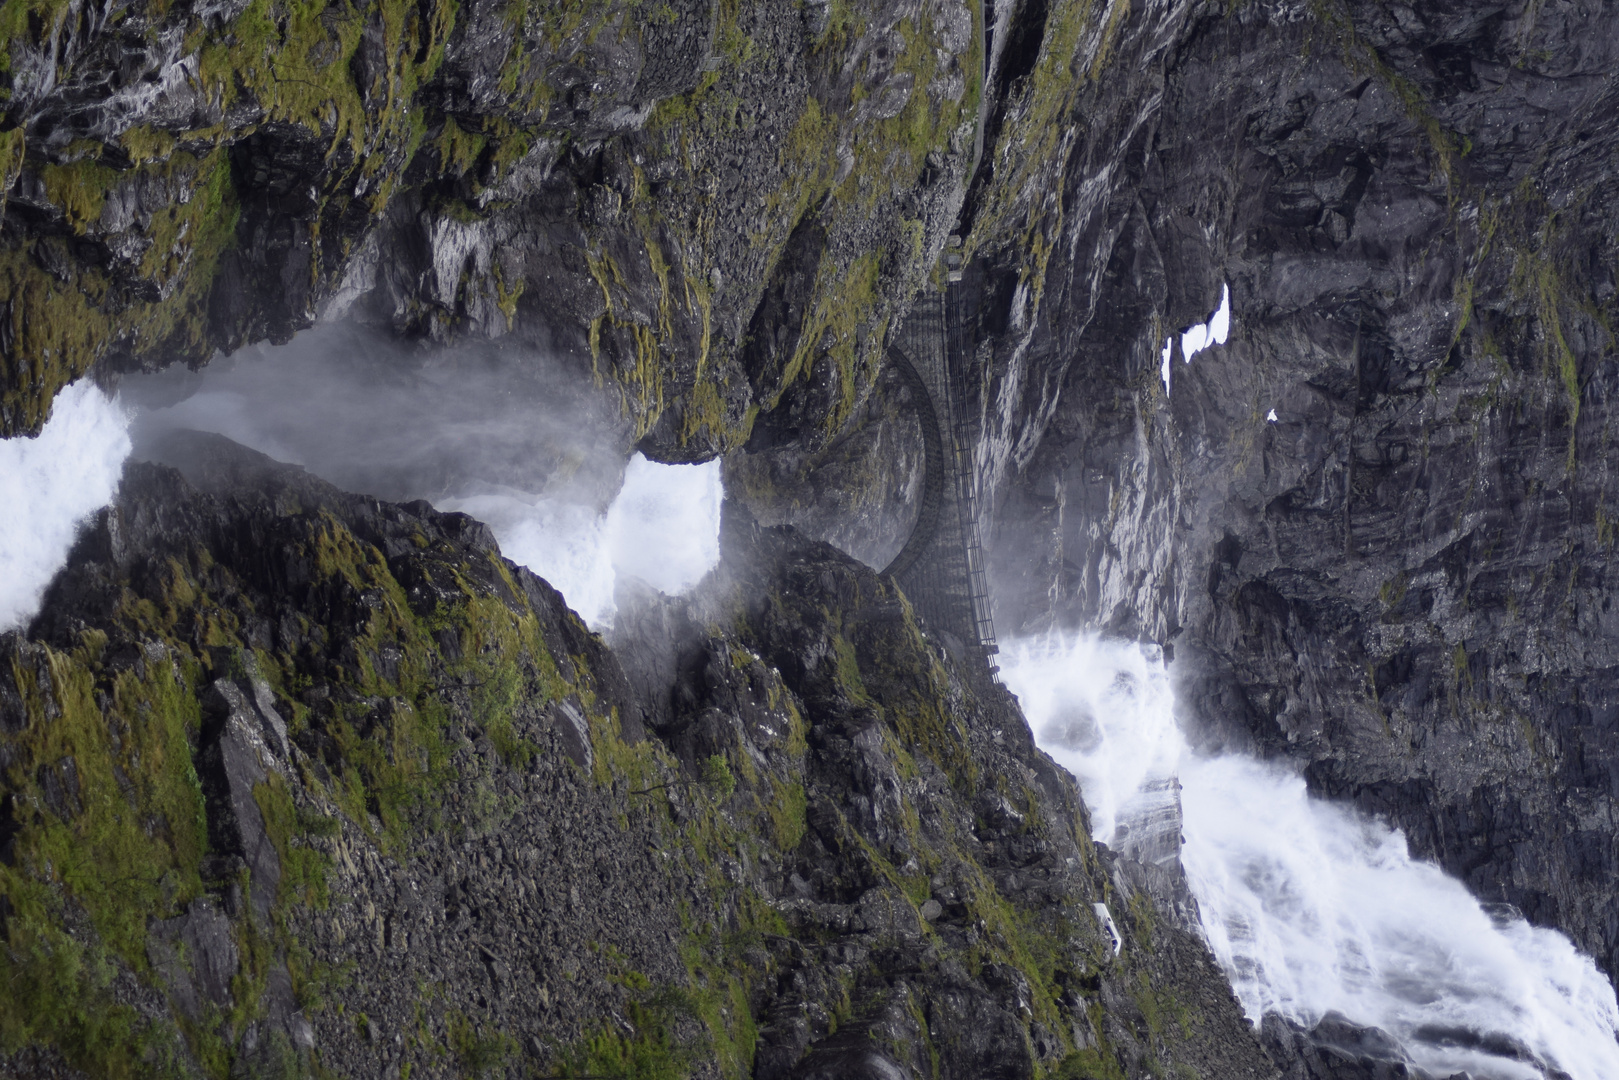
x,y
656,641
698,206
1339,1049
1336,1049
1402,582
860,493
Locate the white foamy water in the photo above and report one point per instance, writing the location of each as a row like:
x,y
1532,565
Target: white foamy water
x,y
48,486
663,528
1103,711
1308,906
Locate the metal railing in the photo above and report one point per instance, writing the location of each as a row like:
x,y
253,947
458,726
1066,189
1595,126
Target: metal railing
x,y
942,564
966,430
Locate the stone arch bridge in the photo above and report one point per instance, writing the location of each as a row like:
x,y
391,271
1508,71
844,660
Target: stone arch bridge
x,y
941,566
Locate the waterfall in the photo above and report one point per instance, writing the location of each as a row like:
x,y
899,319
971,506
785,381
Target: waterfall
x,y
662,528
48,486
1310,907
514,439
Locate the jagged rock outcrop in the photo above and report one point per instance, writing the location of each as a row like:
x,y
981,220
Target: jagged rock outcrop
x,y
861,492
1336,1049
296,779
709,205
1403,582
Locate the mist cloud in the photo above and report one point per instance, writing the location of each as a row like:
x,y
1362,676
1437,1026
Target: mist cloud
x,y
48,486
400,421
529,447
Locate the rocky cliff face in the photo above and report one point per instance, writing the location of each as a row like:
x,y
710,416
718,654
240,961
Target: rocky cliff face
x,y
299,780
709,205
1402,582
861,492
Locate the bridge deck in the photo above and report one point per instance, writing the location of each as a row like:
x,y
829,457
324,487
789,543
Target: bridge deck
x,y
941,567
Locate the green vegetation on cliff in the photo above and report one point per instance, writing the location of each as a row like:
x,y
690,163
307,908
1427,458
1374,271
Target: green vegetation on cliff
x,y
107,826
294,154
297,783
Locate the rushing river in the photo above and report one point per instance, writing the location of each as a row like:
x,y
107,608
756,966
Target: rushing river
x,y
1308,906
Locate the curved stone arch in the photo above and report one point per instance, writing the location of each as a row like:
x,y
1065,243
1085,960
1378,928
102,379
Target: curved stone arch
x,y
927,515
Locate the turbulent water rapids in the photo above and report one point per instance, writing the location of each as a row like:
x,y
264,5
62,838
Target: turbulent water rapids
x,y
1311,908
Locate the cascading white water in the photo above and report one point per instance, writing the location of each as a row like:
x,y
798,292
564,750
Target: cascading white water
x,y
48,486
1104,711
663,528
1308,906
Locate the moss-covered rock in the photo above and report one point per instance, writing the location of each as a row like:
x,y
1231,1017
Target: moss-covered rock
x,y
618,183
301,782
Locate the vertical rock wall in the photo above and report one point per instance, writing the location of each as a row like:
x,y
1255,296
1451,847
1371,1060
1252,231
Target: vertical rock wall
x,y
1402,582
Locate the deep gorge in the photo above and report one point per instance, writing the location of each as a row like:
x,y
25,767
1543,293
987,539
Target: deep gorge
x,y
302,774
